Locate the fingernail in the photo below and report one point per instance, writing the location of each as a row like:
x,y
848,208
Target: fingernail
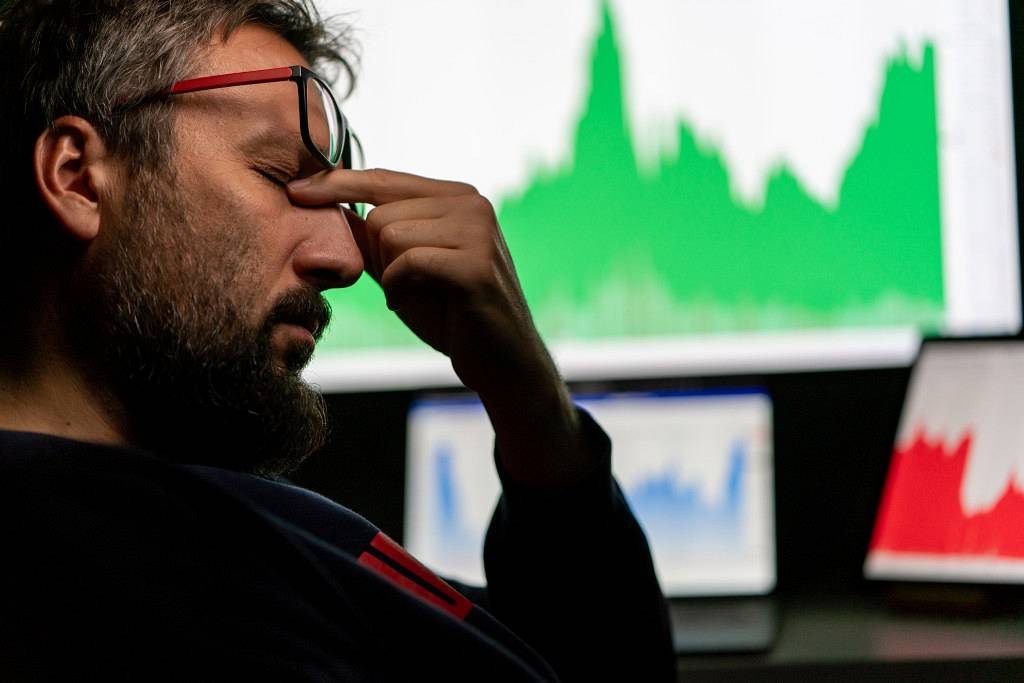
x,y
300,184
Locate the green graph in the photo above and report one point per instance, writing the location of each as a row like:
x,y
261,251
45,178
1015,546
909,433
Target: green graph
x,y
605,250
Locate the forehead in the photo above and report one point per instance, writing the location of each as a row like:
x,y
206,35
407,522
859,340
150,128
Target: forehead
x,y
251,47
237,115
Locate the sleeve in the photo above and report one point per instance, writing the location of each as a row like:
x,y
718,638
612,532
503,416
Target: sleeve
x,y
570,571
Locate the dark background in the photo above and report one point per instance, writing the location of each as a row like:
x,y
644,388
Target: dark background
x,y
833,437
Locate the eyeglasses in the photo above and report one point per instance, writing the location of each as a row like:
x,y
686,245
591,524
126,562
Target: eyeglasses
x,y
323,127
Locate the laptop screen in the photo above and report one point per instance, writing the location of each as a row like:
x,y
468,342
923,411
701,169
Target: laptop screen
x,y
696,469
953,501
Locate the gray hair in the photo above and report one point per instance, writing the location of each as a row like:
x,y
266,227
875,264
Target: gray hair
x,y
85,57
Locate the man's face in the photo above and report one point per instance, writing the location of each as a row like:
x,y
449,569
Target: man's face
x,y
199,303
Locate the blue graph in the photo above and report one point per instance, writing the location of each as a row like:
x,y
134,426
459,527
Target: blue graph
x,y
677,515
457,537
695,469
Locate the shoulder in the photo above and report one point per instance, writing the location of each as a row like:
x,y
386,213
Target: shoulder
x,y
72,486
115,553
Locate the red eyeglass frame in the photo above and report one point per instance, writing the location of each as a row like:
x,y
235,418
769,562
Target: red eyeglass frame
x,y
301,76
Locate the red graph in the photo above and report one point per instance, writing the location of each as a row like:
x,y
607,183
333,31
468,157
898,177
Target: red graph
x,y
921,509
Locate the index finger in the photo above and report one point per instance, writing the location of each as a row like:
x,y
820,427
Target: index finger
x,y
375,186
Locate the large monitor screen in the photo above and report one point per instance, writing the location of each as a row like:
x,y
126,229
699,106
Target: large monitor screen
x,y
953,503
695,468
702,186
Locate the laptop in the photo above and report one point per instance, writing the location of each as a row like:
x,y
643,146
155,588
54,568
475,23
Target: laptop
x,y
696,469
953,500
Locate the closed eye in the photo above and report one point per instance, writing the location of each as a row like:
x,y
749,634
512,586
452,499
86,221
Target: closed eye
x,y
272,177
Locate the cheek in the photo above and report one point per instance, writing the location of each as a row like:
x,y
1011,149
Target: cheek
x,y
242,227
234,215
228,243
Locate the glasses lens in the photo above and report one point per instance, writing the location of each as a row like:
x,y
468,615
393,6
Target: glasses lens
x,y
326,124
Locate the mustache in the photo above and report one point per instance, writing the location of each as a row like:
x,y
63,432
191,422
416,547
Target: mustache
x,y
302,306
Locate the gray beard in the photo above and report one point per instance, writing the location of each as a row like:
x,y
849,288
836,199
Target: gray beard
x,y
159,321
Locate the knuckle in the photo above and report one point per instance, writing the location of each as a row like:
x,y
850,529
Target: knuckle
x,y
465,188
378,178
422,262
389,235
374,220
482,204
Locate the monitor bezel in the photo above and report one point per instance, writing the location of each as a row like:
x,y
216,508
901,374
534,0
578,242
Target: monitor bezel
x,y
1011,592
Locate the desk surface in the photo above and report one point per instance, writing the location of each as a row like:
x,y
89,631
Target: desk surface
x,y
856,639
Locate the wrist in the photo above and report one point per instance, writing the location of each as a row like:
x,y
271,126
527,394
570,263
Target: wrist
x,y
538,435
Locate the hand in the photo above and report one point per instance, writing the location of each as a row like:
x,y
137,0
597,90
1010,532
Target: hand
x,y
436,250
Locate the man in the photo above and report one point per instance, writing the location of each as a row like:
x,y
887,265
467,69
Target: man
x,y
168,237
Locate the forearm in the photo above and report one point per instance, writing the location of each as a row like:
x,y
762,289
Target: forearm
x,y
570,571
537,430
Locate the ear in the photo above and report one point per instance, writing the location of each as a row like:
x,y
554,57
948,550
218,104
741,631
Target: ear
x,y
73,174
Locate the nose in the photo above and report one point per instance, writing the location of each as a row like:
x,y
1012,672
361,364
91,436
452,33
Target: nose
x,y
329,257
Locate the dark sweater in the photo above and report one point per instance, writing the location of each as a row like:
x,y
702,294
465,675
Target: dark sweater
x,y
118,564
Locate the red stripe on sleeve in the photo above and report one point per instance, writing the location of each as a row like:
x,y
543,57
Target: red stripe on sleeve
x,y
458,605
